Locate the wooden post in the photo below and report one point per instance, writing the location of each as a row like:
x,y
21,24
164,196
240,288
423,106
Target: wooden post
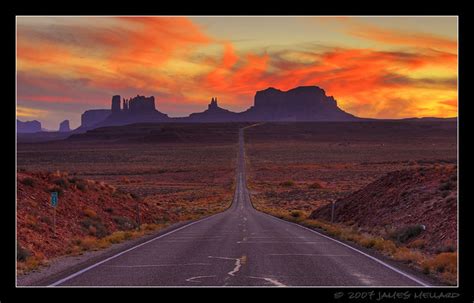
x,y
332,211
138,214
54,221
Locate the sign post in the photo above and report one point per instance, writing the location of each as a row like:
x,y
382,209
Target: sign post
x,y
332,211
54,204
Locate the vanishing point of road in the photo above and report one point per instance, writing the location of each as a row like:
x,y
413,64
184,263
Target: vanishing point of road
x,y
241,247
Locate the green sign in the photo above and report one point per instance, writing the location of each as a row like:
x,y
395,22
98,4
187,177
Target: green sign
x,y
54,199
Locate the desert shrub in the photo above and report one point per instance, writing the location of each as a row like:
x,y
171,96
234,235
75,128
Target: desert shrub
x,y
353,237
442,262
119,236
315,185
444,194
112,188
402,235
407,255
46,220
419,243
161,219
333,230
88,243
124,223
81,185
89,212
296,213
32,263
61,182
368,242
384,245
28,181
447,185
149,227
94,227
32,222
22,253
287,183
451,247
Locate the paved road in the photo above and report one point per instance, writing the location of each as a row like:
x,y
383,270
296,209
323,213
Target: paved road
x,y
241,247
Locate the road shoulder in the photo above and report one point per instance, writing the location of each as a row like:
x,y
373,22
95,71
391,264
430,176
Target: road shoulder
x,y
67,265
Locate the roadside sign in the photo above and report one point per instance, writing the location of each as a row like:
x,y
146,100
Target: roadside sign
x,y
54,199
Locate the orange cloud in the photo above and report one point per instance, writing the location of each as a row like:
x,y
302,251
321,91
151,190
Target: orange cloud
x,y
89,62
369,82
25,112
402,38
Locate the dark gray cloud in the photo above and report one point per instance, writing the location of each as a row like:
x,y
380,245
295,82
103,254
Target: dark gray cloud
x,y
444,83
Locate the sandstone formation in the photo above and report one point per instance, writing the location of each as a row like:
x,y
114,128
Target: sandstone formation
x,y
28,126
304,103
94,116
214,113
139,109
64,126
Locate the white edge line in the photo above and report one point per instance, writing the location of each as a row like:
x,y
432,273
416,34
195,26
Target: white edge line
x,y
126,251
344,244
355,249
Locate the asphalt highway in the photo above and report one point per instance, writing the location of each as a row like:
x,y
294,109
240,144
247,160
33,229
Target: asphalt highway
x,y
241,247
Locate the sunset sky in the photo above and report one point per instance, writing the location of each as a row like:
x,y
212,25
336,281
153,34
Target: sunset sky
x,y
381,67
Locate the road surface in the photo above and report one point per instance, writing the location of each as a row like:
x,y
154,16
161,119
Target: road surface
x,y
241,247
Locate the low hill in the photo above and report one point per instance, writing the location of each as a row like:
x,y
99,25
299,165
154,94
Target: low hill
x,y
163,133
28,126
85,208
423,199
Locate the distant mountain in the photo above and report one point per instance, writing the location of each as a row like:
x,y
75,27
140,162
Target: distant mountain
x,y
139,109
28,126
94,116
64,126
304,103
161,133
214,113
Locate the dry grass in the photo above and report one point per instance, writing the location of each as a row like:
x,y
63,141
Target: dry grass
x,y
418,243
329,161
90,213
171,182
31,263
78,246
442,265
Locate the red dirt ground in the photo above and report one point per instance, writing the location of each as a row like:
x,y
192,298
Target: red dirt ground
x,y
96,200
403,198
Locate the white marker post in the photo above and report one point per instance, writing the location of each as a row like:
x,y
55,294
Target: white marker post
x,y
54,204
